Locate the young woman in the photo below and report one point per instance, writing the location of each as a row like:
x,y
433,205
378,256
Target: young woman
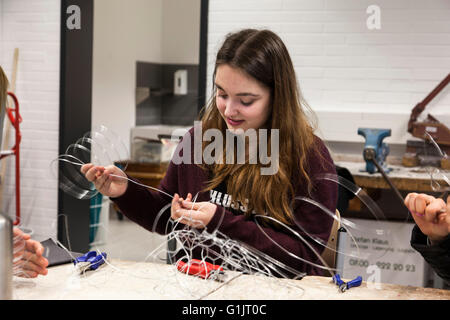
x,y
255,88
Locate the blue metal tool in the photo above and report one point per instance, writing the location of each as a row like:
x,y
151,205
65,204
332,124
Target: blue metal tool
x,y
343,286
375,150
375,153
90,261
337,279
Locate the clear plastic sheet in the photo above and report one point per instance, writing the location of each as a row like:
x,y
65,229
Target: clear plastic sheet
x,y
101,147
439,178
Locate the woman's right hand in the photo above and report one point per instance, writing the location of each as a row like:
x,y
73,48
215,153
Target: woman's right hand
x,y
431,215
104,181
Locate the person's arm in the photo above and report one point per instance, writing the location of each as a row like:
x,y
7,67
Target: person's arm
x,y
143,205
137,202
431,234
431,215
29,262
436,254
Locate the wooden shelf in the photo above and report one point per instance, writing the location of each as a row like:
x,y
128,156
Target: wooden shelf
x,y
149,174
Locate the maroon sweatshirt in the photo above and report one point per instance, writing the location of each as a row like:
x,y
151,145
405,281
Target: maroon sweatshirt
x,y
142,206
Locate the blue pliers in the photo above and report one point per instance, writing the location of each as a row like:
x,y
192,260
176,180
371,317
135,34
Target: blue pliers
x,y
343,286
90,261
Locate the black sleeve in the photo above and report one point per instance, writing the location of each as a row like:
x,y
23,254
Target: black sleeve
x,y
437,255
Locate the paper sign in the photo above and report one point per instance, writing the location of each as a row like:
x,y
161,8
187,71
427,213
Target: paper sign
x,y
385,257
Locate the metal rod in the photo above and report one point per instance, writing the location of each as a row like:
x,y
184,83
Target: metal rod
x,y
388,180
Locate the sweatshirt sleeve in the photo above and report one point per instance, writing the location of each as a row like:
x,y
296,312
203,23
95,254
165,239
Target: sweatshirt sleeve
x,y
281,243
150,208
437,255
145,206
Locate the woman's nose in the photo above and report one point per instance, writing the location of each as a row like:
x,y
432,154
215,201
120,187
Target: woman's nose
x,y
230,109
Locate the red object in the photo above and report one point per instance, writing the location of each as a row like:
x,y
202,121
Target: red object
x,y
198,268
16,119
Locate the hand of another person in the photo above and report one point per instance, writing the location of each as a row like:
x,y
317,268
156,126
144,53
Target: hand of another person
x,y
196,215
431,215
103,180
29,262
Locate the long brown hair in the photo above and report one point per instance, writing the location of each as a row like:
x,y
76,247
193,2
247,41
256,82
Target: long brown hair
x,y
262,55
3,90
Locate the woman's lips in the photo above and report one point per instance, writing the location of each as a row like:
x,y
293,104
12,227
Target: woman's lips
x,y
234,122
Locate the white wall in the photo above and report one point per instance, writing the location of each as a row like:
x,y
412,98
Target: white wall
x,y
124,32
346,72
181,31
34,28
352,76
158,31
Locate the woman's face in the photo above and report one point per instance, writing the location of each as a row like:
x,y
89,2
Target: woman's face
x,y
242,101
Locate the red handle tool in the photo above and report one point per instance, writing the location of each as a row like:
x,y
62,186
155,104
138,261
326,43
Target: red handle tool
x,y
199,268
16,119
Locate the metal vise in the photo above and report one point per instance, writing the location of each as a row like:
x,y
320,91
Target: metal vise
x,y
375,148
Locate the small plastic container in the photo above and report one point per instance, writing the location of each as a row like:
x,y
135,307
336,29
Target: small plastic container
x,y
146,150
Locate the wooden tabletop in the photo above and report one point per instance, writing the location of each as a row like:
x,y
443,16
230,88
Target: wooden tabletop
x,y
404,178
122,280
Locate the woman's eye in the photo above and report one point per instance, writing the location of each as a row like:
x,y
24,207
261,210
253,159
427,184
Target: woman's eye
x,y
247,103
223,96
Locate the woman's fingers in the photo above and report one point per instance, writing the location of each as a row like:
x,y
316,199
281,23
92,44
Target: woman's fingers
x,y
26,236
409,201
175,206
179,203
17,232
187,213
33,258
106,185
187,204
93,173
31,265
86,167
101,177
30,262
20,272
417,203
442,218
177,210
190,205
189,217
101,180
31,268
34,247
109,181
434,209
420,205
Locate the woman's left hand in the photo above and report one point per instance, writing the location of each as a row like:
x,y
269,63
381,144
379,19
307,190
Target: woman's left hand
x,y
29,255
196,215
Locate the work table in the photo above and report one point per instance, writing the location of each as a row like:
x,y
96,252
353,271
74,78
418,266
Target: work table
x,y
412,179
123,280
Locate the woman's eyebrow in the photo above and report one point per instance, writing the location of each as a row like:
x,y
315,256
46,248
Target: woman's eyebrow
x,y
241,94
